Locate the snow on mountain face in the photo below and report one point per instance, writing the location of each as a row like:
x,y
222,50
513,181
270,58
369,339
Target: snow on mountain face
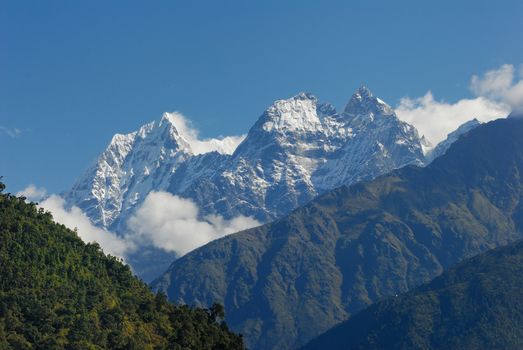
x,y
270,172
300,148
369,140
296,150
297,114
364,103
132,166
444,145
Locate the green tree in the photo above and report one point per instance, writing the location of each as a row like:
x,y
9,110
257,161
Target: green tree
x,y
57,292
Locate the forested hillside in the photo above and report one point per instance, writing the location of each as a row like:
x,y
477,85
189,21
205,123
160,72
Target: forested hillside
x,y
57,292
476,305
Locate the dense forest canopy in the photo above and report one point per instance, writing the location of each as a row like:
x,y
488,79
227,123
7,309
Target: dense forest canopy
x,y
56,292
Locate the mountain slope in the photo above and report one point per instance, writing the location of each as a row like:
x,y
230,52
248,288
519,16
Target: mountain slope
x,y
444,145
130,167
58,293
297,149
475,305
285,282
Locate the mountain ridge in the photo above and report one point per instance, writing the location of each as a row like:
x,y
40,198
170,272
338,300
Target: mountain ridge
x,y
286,123
297,149
472,305
284,282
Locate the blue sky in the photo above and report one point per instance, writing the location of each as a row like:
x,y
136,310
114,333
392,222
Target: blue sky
x,y
74,73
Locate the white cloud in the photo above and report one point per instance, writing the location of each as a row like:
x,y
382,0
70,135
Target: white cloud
x,y
502,85
163,220
171,223
75,218
494,82
435,119
11,132
225,145
32,193
497,93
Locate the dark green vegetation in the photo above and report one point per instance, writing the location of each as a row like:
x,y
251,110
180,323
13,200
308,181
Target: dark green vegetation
x,y
476,305
284,283
58,293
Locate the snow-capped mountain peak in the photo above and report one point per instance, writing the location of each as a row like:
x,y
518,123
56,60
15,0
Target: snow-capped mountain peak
x,y
298,113
363,93
297,149
364,103
130,167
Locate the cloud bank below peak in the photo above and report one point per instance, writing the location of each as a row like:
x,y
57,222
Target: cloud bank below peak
x,y
172,223
74,218
163,221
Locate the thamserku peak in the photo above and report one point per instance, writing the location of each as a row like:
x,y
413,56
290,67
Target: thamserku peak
x,y
298,149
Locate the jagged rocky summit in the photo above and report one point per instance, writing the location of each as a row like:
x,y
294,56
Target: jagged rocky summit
x,y
298,149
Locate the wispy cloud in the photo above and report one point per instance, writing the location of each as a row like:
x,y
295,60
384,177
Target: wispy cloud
x,y
225,145
11,132
502,84
75,218
32,193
